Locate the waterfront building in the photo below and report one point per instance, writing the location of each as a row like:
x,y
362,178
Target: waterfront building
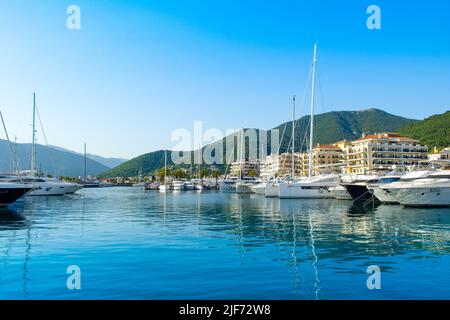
x,y
383,151
280,165
250,168
440,154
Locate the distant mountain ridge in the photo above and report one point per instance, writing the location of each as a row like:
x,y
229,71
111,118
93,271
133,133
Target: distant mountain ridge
x,y
329,127
50,160
433,131
108,162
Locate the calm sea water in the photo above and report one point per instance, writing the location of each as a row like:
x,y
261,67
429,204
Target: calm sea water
x,y
133,244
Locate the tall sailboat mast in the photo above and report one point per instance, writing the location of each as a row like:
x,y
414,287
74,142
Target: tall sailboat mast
x,y
311,126
293,138
33,141
241,154
85,164
165,166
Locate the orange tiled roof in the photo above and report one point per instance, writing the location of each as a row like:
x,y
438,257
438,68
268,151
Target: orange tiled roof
x,y
385,135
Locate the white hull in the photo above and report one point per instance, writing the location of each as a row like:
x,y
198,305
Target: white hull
x,y
422,197
340,193
73,189
53,189
272,190
259,188
295,191
244,188
382,195
227,187
164,188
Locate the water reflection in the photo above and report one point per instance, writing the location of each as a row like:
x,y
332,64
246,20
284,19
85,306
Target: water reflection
x,y
299,246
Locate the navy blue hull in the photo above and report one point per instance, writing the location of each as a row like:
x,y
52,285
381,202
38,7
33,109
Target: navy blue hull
x,y
11,195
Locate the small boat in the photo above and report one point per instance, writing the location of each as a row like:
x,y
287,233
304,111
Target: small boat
x,y
178,185
152,186
164,188
189,186
228,185
11,192
92,184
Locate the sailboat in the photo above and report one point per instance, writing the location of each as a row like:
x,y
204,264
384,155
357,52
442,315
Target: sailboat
x,y
164,187
243,184
313,187
272,187
41,186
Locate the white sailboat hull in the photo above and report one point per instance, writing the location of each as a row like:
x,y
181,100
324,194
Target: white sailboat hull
x,y
259,188
244,188
272,190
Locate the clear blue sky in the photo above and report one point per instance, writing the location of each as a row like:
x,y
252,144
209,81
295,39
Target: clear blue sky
x,y
137,70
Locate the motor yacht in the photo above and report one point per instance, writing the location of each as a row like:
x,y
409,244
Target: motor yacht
x,y
11,192
374,188
43,186
315,187
426,189
340,193
356,186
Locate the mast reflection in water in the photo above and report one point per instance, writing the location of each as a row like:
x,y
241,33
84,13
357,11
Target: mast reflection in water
x,y
135,244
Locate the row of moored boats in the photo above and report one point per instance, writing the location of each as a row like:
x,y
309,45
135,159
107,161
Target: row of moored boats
x,y
415,188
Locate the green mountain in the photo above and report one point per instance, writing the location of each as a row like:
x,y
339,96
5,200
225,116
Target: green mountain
x,y
433,131
49,160
329,127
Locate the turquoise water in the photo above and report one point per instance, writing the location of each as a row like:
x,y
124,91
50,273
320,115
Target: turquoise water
x,y
133,244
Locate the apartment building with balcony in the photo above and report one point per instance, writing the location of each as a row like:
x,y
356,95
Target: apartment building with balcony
x,y
383,151
280,165
250,168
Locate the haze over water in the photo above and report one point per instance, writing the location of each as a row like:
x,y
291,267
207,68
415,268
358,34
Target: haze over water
x,y
133,244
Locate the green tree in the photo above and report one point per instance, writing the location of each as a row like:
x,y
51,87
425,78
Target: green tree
x,y
252,173
179,173
216,174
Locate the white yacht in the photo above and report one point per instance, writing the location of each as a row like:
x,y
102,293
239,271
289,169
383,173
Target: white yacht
x,y
178,185
259,188
272,190
246,185
427,189
44,186
228,185
164,187
316,187
340,193
374,188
